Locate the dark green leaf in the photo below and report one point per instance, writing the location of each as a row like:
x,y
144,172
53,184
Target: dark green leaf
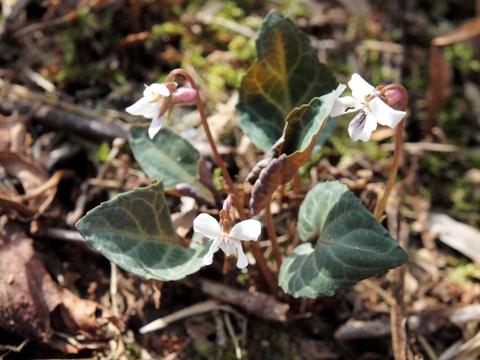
x,y
168,157
304,126
134,230
351,244
285,75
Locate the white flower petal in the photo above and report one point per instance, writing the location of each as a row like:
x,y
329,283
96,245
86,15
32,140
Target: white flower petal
x,y
360,88
362,126
208,258
141,107
384,114
207,225
155,90
155,126
188,204
228,245
345,105
242,260
152,111
246,230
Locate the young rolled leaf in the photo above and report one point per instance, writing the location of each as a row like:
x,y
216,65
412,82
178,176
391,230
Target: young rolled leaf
x,y
134,230
303,128
350,244
285,75
171,158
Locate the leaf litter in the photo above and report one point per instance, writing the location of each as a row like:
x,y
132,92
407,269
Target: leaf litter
x,y
64,297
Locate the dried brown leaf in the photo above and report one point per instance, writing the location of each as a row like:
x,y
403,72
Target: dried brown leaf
x,y
33,306
440,86
459,236
22,311
269,179
467,31
39,189
302,130
441,73
30,175
27,172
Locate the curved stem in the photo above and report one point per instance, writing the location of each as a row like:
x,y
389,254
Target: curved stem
x,y
239,201
208,133
377,213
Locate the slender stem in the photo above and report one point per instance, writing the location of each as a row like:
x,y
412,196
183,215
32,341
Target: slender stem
x,y
377,213
398,308
239,201
297,182
113,288
397,305
208,133
303,305
271,233
262,264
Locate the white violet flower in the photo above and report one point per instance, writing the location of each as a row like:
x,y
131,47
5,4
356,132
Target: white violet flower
x,y
373,110
246,230
158,100
152,106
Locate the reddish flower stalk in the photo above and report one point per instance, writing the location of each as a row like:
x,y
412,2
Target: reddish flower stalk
x,y
387,92
208,133
272,234
253,246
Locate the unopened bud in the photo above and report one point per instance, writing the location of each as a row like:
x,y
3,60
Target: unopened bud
x,y
227,216
185,95
393,96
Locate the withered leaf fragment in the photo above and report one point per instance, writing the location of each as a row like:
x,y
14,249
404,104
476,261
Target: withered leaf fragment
x,y
33,306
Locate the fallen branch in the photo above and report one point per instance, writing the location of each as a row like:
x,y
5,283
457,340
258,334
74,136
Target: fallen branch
x,y
200,308
259,304
55,114
94,129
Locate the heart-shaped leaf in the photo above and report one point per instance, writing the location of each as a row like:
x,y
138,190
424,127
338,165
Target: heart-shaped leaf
x,y
286,74
171,158
134,230
350,244
304,126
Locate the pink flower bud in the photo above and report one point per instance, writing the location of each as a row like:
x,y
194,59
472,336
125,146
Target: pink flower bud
x,y
393,96
185,95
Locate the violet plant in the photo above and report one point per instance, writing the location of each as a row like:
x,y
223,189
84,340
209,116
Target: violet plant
x,y
288,101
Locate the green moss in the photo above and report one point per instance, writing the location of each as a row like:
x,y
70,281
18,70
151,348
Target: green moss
x,y
242,48
217,178
243,278
232,10
448,186
167,28
462,57
102,152
134,351
462,271
222,75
